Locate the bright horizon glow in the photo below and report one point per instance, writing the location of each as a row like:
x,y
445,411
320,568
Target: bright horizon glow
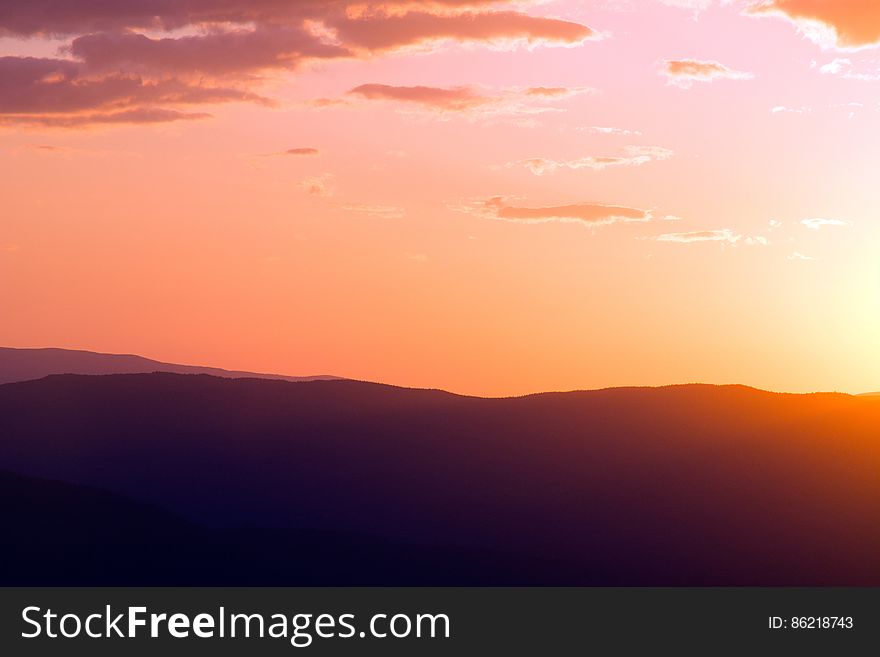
x,y
556,196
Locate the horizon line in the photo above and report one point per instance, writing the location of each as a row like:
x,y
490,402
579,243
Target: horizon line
x,y
330,377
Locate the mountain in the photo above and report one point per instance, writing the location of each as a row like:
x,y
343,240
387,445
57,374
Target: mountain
x,y
26,364
56,534
686,485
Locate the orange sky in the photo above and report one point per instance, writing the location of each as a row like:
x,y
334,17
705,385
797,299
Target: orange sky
x,y
487,197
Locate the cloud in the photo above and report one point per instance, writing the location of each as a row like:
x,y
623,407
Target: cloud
x,y
317,185
840,23
696,5
456,99
586,212
724,235
555,92
377,211
216,50
140,115
215,53
273,32
35,85
684,72
465,100
323,103
290,152
392,31
844,67
818,223
604,130
782,109
635,156
836,66
63,17
593,214
800,256
43,91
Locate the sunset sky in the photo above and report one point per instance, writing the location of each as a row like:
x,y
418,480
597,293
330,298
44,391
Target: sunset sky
x,y
487,197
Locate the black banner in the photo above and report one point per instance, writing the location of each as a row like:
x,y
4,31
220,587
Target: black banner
x,y
443,621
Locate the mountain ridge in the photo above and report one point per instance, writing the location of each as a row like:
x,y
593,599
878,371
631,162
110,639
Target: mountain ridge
x,y
35,363
695,485
25,364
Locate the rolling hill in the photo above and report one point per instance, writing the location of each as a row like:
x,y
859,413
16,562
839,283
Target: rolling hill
x,y
687,485
27,364
56,534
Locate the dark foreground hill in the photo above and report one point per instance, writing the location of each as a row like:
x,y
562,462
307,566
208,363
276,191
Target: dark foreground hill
x,y
64,534
29,364
363,483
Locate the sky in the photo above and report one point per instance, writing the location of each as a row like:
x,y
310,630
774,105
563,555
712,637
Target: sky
x,y
493,198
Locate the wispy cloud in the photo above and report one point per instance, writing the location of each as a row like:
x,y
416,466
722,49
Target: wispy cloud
x,y
817,223
466,100
725,235
377,211
317,185
556,92
455,99
592,214
634,156
845,68
135,116
684,72
695,5
605,130
782,109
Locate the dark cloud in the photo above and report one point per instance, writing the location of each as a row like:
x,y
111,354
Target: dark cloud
x,y
217,53
65,17
32,87
115,69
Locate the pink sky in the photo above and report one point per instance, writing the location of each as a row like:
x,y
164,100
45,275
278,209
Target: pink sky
x,y
487,197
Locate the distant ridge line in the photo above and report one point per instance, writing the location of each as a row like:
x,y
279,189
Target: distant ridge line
x,y
28,364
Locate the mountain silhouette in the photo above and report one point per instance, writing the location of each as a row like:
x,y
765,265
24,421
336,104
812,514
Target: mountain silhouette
x,y
27,364
63,534
685,485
